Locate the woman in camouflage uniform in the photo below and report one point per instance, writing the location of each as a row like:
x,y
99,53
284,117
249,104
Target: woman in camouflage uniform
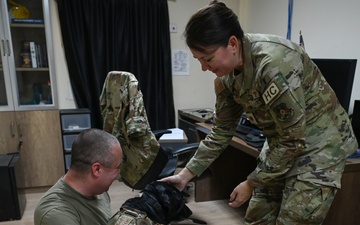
x,y
282,91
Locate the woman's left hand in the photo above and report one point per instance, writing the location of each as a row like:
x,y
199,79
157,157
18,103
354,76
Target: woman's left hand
x,y
241,194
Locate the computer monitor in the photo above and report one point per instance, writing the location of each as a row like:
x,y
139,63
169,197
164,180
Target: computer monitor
x,y
339,73
355,120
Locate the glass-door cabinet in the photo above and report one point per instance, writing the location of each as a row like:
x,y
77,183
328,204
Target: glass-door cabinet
x,y
27,78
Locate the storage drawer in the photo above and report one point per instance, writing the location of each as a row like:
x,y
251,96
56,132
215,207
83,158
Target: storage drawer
x,y
68,140
75,122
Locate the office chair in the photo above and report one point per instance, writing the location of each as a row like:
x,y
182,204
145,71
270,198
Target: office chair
x,y
124,116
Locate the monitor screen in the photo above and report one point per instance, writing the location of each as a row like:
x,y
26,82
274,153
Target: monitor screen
x,y
355,121
339,73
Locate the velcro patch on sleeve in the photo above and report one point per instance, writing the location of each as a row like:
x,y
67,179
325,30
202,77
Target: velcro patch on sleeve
x,y
271,92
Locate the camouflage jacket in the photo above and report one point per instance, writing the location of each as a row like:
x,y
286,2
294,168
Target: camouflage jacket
x,y
284,93
124,116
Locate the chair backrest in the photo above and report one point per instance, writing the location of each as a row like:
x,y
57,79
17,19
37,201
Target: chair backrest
x,y
153,173
124,116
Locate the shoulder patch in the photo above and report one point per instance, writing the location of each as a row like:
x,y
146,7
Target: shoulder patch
x,y
271,92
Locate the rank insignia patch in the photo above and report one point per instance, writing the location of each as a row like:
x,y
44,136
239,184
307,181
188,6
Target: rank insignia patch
x,y
284,113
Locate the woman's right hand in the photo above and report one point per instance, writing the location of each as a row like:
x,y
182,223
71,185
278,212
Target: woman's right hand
x,y
179,180
241,194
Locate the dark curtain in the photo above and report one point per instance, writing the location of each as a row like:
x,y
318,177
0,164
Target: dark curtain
x,y
126,35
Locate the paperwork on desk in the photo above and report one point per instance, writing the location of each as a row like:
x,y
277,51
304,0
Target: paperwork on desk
x,y
176,135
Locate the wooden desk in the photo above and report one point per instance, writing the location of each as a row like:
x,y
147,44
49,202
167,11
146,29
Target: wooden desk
x,y
187,119
204,128
227,171
239,159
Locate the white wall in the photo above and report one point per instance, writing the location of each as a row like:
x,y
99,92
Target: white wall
x,y
331,28
197,89
65,95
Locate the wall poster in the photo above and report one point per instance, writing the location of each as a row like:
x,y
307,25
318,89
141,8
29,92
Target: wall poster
x,y
180,61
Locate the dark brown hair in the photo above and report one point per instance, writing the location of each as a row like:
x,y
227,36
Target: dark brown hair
x,y
212,26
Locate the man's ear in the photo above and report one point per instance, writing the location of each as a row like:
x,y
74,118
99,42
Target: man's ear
x,y
96,169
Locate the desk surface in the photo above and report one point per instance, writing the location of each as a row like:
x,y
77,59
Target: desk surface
x,y
199,115
352,163
236,142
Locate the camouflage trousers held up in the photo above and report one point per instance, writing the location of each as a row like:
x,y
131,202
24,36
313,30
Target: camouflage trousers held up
x,y
291,202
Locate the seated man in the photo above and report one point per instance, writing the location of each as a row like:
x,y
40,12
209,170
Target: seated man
x,y
80,197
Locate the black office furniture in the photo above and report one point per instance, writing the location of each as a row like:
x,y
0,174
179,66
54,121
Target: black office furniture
x,y
73,121
339,73
355,120
12,198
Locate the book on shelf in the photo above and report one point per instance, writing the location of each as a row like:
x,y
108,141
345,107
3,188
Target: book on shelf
x,y
37,53
33,54
28,21
44,56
